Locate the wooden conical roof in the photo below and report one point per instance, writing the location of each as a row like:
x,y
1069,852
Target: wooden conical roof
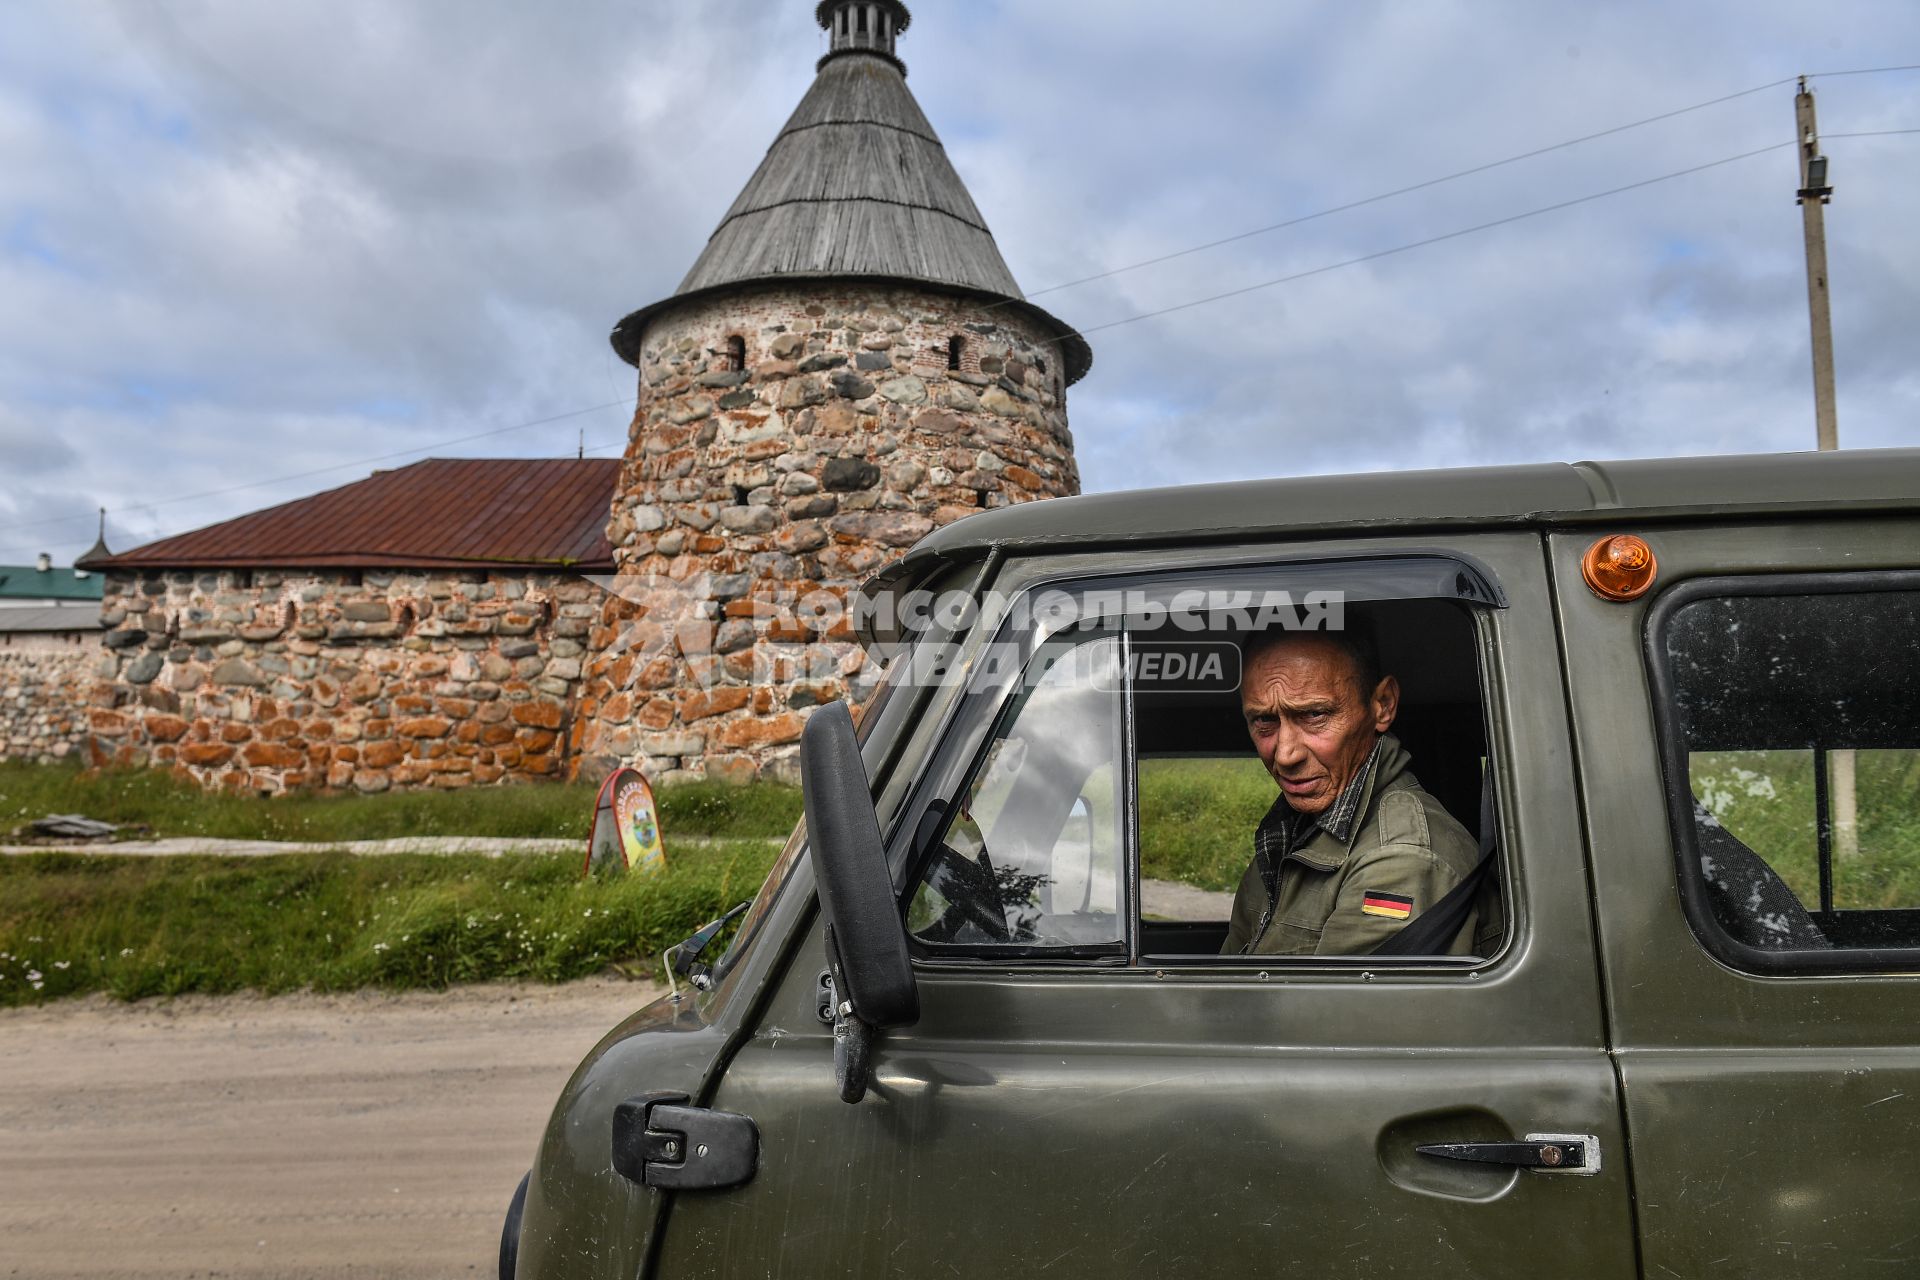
x,y
856,186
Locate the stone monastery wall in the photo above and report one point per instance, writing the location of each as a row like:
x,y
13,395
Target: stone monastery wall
x,y
786,444
273,681
43,698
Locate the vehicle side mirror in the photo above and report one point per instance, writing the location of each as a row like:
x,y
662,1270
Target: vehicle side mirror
x,y
867,962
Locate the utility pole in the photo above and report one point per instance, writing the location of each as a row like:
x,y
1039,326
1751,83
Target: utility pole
x,y
1813,196
1814,193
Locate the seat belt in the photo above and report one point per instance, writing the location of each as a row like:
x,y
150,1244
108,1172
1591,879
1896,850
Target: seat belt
x,y
1431,933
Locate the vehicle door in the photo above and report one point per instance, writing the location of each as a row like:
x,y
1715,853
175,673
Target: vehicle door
x,y
1749,736
1074,1104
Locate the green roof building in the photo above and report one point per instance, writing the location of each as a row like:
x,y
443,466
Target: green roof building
x,y
44,583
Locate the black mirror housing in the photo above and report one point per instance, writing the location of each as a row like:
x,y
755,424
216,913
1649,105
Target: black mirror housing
x,y
866,942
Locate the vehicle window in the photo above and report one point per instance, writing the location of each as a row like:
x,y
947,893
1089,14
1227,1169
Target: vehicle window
x,y
1794,722
1032,850
1197,813
1205,792
895,677
1115,802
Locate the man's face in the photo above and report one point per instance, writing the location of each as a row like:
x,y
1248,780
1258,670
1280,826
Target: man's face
x,y
1311,722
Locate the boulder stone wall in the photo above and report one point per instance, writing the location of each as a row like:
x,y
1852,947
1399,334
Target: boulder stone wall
x,y
366,680
43,696
785,445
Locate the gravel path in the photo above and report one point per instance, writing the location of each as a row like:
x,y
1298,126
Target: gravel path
x,y
363,1135
1172,900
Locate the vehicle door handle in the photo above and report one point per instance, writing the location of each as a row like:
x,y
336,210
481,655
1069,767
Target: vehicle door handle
x,y
1540,1152
659,1141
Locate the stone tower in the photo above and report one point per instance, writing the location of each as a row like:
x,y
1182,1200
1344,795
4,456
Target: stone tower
x,y
847,365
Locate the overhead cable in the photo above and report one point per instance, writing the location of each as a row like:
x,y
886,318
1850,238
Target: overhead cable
x,y
1455,176
427,447
1449,235
1407,190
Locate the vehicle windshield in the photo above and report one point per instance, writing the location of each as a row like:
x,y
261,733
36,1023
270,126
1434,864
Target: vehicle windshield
x,y
893,678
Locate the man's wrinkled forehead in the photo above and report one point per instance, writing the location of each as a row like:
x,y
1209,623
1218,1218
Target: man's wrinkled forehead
x,y
1298,667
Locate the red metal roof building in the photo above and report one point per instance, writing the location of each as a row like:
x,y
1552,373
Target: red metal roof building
x,y
455,513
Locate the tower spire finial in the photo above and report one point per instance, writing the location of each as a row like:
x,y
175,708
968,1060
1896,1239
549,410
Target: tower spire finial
x,y
863,26
99,549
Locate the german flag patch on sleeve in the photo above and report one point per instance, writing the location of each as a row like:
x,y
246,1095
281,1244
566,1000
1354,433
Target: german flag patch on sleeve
x,y
1391,905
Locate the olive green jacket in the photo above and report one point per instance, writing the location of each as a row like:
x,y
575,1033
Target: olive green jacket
x,y
1345,898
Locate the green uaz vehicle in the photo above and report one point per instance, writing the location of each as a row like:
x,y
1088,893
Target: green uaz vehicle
x,y
978,1022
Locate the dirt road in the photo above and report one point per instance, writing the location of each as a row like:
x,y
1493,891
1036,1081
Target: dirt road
x,y
303,1136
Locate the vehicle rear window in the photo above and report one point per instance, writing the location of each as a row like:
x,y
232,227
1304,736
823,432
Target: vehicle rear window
x,y
1792,749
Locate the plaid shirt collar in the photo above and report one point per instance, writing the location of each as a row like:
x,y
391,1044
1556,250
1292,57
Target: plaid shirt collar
x,y
1283,830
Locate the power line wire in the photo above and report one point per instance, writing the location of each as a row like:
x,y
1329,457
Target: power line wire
x,y
1430,240
1455,176
381,457
1870,133
589,449
338,466
1401,191
1860,71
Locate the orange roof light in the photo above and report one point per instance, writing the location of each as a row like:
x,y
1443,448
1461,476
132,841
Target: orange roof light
x,y
1620,567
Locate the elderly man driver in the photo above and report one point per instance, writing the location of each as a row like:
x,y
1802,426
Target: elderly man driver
x,y
1353,848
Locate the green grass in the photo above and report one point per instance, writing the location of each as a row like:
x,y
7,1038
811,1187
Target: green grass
x,y
1196,815
136,927
1766,800
765,811
1197,818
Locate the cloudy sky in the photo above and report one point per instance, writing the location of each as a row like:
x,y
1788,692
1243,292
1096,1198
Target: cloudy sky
x,y
246,250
